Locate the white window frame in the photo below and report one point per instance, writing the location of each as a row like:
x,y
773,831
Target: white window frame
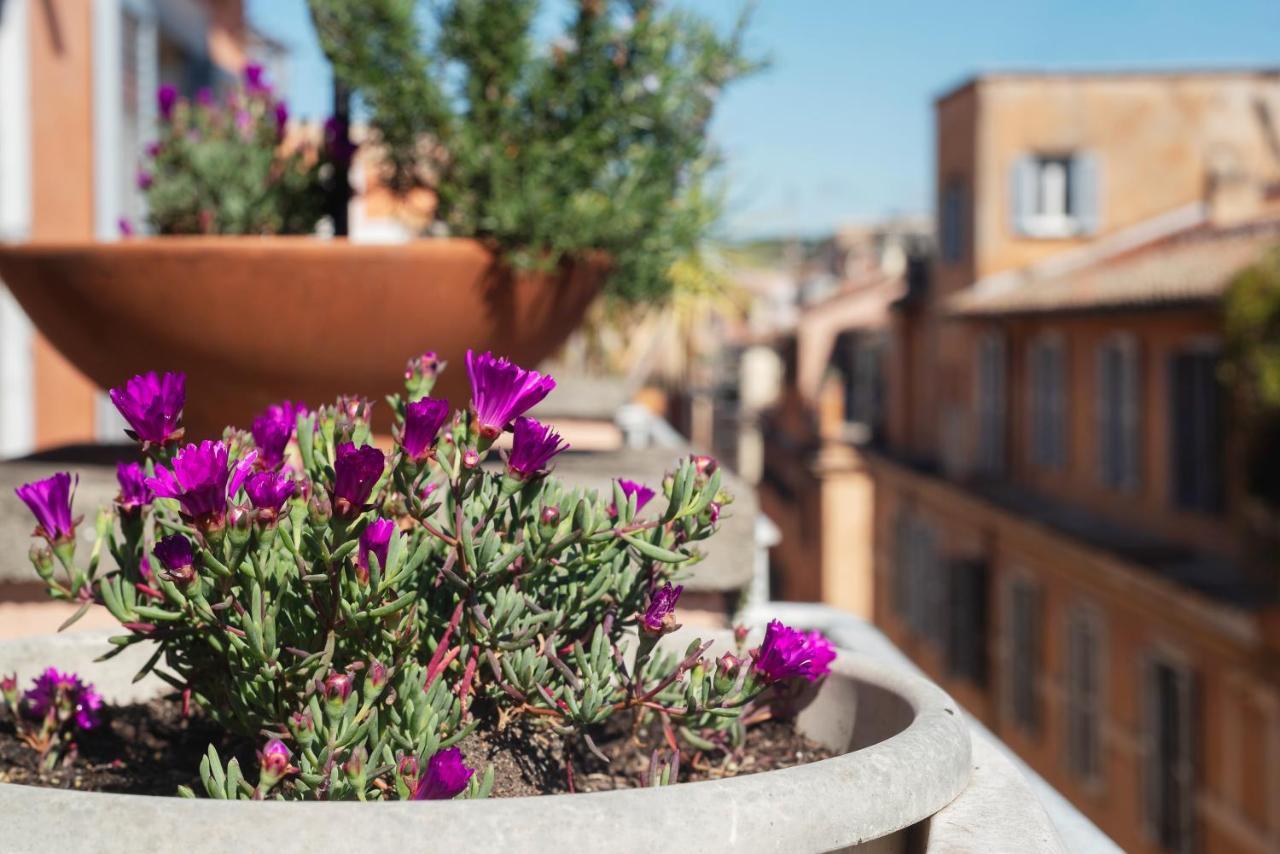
x,y
1055,195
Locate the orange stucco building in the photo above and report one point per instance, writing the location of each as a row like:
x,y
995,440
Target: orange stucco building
x,y
1061,529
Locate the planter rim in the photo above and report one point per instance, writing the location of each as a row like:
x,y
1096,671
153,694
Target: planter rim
x,y
895,783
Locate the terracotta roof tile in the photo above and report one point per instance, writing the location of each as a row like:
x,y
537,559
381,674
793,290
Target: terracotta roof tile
x,y
1194,267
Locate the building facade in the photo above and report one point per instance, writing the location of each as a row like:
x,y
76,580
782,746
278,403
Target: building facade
x,y
1061,535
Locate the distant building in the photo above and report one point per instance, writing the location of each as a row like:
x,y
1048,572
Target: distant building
x,y
77,96
1060,533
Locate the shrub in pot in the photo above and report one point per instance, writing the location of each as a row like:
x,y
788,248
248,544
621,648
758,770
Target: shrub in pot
x,y
357,613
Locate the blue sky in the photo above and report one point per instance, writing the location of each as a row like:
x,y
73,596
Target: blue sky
x,y
839,128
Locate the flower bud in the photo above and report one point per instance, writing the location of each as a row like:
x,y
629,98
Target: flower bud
x,y
9,689
550,516
376,675
407,768
42,559
740,634
319,508
470,459
355,765
273,764
337,688
240,525
706,465
420,375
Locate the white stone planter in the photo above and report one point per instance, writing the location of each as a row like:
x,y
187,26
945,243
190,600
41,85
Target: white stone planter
x,y
908,757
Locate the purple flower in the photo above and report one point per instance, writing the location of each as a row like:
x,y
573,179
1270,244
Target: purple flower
x,y
63,695
268,491
376,538
272,431
282,118
629,488
134,494
201,481
658,616
789,653
204,96
446,777
125,227
153,149
532,447
355,471
144,180
177,557
253,79
50,502
152,404
502,391
422,421
166,98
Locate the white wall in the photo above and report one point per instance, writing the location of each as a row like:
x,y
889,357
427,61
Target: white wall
x,y
17,403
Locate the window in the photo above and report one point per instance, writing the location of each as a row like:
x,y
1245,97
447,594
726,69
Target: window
x,y
967,627
1023,652
951,228
1169,769
991,404
1084,707
1119,405
919,595
1196,434
1047,394
1054,195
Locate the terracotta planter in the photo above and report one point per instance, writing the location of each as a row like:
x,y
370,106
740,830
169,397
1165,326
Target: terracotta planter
x,y
253,320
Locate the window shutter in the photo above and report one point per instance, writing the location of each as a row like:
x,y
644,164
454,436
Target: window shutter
x,y
1086,190
1022,193
1131,415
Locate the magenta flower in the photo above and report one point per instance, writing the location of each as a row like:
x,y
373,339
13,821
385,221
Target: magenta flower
x,y
376,538
144,180
272,431
502,391
269,490
50,502
254,80
532,447
337,141
273,759
177,557
153,149
134,493
355,471
629,488
64,696
166,99
125,227
202,481
282,118
446,777
422,421
789,653
662,605
204,97
152,405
